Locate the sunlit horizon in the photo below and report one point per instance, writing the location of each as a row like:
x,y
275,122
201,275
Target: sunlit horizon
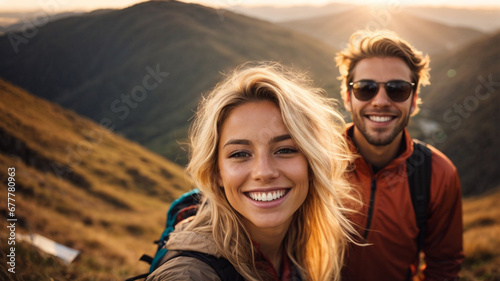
x,y
57,6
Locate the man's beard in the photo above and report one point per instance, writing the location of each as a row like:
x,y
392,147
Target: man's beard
x,y
379,139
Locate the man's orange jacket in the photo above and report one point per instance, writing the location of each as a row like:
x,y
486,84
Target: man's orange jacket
x,y
391,253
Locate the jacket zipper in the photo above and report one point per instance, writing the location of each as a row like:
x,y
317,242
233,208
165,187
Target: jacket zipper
x,y
370,208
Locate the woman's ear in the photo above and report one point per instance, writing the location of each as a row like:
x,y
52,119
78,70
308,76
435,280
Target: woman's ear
x,y
219,180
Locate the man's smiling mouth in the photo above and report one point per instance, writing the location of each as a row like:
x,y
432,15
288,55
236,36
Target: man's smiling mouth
x,y
380,119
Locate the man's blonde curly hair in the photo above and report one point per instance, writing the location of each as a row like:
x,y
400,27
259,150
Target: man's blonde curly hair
x,y
383,43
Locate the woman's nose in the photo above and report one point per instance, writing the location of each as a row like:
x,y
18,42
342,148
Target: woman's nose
x,y
264,168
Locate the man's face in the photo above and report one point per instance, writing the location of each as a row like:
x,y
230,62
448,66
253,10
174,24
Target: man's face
x,y
380,120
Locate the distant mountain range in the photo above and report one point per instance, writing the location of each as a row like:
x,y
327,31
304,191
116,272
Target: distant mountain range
x,y
141,71
428,36
483,19
98,64
81,185
15,21
289,13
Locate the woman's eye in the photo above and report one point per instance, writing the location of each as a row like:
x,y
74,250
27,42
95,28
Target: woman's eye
x,y
286,151
239,154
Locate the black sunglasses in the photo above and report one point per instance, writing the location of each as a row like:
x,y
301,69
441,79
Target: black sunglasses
x,y
397,90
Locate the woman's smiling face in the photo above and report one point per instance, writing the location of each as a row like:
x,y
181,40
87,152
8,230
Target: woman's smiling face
x,y
262,170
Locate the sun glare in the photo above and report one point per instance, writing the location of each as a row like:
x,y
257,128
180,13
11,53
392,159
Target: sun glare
x,y
67,5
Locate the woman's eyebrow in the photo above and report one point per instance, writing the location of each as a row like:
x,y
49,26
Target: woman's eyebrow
x,y
247,142
280,138
237,141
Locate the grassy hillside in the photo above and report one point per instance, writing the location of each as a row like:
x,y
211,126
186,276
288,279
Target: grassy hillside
x,y
482,237
463,104
80,185
146,66
428,36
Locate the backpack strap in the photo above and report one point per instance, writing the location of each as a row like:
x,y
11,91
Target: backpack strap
x,y
419,170
224,269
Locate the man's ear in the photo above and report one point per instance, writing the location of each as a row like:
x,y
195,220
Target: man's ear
x,y
347,101
413,103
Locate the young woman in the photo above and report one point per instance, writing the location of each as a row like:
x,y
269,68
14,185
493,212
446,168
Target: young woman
x,y
268,154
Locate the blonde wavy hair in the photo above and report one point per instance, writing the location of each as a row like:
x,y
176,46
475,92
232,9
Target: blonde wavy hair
x,y
382,43
317,237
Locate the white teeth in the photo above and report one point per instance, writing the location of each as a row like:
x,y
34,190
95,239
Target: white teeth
x,y
380,118
266,197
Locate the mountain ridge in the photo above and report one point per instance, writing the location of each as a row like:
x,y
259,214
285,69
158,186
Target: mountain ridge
x,y
428,36
480,18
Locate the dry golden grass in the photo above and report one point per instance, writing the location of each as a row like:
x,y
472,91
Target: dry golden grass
x,y
82,186
110,239
482,238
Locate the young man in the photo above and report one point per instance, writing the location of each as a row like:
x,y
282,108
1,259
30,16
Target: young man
x,y
381,76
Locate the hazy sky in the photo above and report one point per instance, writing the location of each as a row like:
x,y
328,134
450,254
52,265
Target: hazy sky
x,y
65,5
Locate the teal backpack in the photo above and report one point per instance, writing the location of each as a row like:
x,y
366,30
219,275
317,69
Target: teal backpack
x,y
181,209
